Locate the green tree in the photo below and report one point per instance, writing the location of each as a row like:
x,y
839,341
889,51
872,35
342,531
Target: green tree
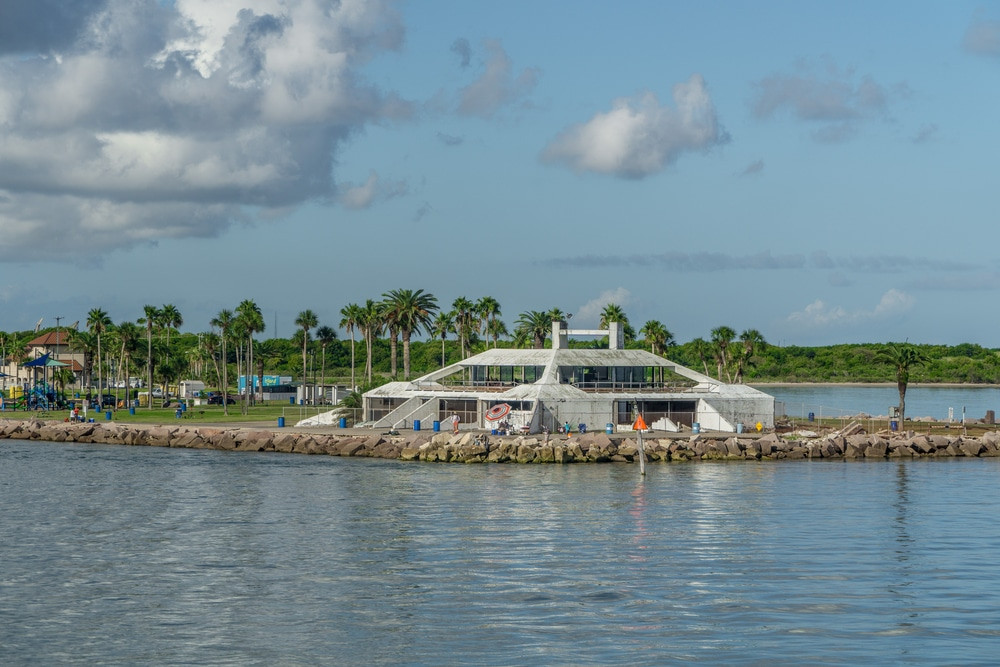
x,y
464,318
250,321
98,322
152,315
351,320
370,324
657,335
495,329
128,335
751,342
170,318
325,335
306,320
902,357
703,350
442,324
489,310
721,338
224,321
534,325
410,311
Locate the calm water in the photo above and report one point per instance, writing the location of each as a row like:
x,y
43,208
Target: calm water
x,y
839,400
129,555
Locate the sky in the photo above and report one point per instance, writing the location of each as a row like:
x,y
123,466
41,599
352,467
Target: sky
x,y
821,172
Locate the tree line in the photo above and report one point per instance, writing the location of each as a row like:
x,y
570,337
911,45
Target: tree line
x,y
152,345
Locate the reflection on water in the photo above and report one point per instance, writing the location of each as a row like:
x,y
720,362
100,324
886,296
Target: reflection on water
x,y
142,555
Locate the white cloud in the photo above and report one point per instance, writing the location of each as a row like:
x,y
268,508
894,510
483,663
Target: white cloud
x,y
820,314
589,314
638,136
165,120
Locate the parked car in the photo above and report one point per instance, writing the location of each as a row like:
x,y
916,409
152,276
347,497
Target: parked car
x,y
109,400
216,399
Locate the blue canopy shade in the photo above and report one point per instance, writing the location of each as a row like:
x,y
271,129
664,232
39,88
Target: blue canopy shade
x,y
40,361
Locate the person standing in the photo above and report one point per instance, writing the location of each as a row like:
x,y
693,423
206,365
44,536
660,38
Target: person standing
x,y
454,423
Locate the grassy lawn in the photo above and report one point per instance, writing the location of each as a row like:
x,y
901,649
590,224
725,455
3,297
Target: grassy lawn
x,y
199,414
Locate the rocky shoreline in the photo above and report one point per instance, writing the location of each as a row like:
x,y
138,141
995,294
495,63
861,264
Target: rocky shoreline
x,y
470,447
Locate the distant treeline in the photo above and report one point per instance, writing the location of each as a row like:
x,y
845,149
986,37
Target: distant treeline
x,y
964,363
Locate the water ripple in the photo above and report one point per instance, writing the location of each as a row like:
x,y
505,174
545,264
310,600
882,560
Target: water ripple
x,y
150,556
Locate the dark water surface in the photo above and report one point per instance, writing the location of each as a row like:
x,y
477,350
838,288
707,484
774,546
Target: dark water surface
x,y
132,555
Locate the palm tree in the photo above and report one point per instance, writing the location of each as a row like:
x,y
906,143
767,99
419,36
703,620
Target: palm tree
x,y
211,343
489,310
614,313
721,338
463,314
325,335
152,315
495,329
128,335
251,321
306,320
350,319
703,350
224,320
534,325
410,311
370,325
390,322
98,322
752,341
171,318
657,335
902,356
443,323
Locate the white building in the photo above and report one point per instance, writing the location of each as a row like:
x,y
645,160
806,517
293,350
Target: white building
x,y
548,387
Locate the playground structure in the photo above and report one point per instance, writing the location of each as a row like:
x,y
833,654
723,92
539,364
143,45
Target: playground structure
x,y
42,396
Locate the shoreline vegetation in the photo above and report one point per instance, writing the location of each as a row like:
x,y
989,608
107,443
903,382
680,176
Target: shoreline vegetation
x,y
847,443
411,326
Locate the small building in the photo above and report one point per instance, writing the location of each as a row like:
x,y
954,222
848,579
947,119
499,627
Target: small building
x,y
543,388
190,388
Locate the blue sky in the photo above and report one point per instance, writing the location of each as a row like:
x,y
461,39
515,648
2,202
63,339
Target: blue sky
x,y
822,172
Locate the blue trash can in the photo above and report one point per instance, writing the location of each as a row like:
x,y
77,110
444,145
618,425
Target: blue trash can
x,y
437,426
894,425
281,422
609,428
812,416
343,422
696,427
131,411
291,400
107,415
416,424
177,413
739,428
